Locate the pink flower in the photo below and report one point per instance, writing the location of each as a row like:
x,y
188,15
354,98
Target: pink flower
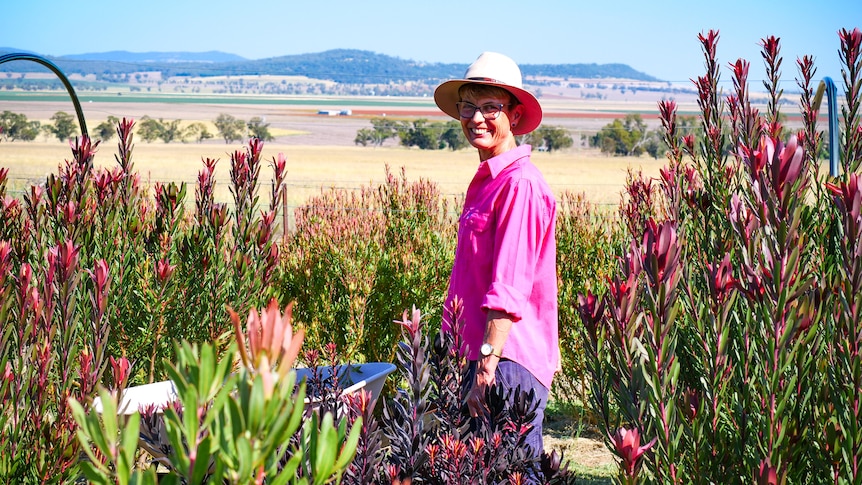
x,y
789,165
279,165
120,368
721,279
413,324
64,258
851,41
268,342
660,251
164,269
767,474
627,446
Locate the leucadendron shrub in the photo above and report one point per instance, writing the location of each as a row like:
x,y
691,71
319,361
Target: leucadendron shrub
x,y
726,348
358,258
96,267
238,418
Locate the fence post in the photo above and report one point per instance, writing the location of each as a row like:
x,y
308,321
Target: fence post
x,y
832,104
284,218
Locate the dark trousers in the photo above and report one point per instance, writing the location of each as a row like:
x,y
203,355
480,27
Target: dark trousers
x,y
511,375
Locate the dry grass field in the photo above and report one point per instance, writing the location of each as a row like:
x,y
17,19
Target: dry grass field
x,y
320,149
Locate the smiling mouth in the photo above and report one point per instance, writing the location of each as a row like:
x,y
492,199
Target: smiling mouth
x,y
479,131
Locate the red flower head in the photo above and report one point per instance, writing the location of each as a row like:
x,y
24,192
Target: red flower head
x,y
851,42
790,158
721,279
5,257
279,165
848,198
667,113
660,251
740,72
627,446
164,269
709,42
591,310
120,368
688,141
767,474
770,47
271,342
63,258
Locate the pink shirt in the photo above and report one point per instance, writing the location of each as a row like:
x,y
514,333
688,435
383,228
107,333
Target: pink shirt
x,y
506,260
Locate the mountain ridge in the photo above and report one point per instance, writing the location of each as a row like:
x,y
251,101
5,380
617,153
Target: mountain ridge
x,y
338,65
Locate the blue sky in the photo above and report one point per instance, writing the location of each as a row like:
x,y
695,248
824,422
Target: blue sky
x,y
653,36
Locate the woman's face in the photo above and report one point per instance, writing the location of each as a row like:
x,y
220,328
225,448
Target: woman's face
x,y
491,137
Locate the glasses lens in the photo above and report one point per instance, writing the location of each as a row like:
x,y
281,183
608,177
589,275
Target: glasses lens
x,y
466,110
490,111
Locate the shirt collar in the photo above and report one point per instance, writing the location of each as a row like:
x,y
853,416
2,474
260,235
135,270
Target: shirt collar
x,y
495,165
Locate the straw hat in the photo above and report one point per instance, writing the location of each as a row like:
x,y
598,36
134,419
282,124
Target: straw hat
x,y
498,70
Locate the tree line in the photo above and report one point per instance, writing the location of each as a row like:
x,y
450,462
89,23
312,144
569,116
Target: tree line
x,y
16,127
439,135
622,137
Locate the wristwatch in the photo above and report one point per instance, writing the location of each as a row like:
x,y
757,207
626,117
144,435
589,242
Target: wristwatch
x,y
487,349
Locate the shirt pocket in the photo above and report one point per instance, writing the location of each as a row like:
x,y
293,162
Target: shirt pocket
x,y
478,226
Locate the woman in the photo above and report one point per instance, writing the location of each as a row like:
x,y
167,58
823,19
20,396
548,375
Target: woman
x,y
505,261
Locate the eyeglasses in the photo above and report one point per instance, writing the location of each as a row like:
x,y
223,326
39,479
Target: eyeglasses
x,y
489,111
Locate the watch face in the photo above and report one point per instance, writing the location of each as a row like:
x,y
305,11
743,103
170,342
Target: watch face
x,y
486,349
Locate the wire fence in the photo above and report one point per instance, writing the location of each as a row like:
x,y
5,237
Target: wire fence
x,y
299,194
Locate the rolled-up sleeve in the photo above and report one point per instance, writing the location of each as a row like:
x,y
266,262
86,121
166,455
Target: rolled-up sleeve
x,y
521,219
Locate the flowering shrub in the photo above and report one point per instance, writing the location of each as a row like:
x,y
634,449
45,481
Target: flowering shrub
x,y
728,338
430,438
91,267
227,425
357,259
588,242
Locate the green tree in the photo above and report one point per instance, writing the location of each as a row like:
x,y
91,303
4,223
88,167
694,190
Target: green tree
x,y
381,130
365,137
107,129
258,129
624,138
550,138
64,126
171,130
150,129
453,136
230,128
422,134
15,126
198,132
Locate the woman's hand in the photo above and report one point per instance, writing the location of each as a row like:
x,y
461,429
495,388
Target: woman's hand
x,y
485,371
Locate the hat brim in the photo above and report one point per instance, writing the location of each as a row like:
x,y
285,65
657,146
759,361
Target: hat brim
x,y
446,97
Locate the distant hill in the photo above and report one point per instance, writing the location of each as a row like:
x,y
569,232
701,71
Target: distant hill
x,y
209,57
340,65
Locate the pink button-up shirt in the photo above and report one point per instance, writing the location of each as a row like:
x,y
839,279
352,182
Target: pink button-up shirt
x,y
506,260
